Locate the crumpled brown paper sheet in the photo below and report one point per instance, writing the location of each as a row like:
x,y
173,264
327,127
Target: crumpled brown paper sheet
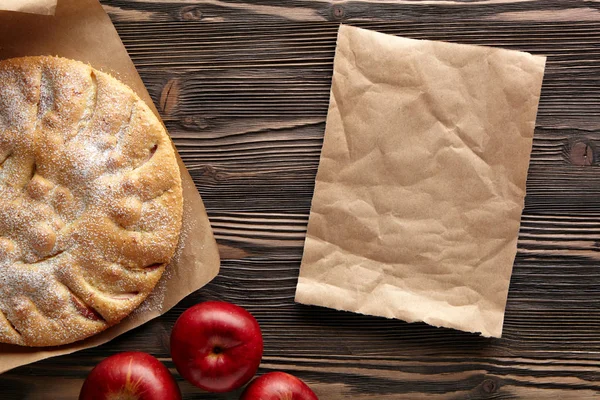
x,y
421,182
42,7
81,30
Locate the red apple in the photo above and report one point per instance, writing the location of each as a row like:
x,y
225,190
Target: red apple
x,y
278,386
131,375
216,346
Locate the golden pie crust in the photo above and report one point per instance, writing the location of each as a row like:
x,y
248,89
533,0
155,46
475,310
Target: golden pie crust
x,y
90,201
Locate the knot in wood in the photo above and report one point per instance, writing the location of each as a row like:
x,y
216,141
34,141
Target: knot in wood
x,y
338,12
582,154
190,13
489,386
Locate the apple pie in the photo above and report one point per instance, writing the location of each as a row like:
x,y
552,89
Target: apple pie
x,y
90,201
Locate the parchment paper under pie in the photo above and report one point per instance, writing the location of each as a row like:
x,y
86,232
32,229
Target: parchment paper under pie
x,y
421,182
82,31
42,7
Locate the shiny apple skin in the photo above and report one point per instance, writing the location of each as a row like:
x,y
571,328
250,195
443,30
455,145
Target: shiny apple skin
x,y
217,346
278,386
131,375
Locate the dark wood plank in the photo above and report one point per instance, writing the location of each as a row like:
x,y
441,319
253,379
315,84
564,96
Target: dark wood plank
x,y
244,86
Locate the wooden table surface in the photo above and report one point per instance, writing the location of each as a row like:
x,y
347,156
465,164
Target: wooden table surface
x,y
243,87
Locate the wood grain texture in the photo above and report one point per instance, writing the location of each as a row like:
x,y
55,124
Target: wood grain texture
x,y
243,87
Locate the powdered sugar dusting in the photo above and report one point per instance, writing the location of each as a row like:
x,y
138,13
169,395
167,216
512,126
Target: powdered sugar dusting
x,y
90,196
156,299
